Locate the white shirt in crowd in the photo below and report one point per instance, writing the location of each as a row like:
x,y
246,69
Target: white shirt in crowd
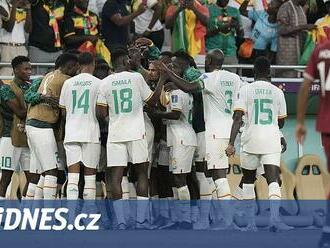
x,y
263,104
180,131
96,6
220,91
17,35
125,94
78,97
142,21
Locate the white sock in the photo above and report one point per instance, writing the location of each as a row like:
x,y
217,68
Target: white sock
x,y
213,187
119,211
30,191
223,194
125,188
223,189
155,207
39,192
274,197
90,187
142,210
175,193
171,205
184,203
205,190
132,191
164,208
249,195
50,187
72,191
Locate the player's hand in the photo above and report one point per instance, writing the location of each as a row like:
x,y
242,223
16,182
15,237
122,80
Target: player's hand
x,y
283,144
169,86
141,9
52,101
300,133
230,151
309,27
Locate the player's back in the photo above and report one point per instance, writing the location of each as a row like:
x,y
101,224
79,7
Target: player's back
x,y
181,130
125,93
220,91
318,68
78,97
263,104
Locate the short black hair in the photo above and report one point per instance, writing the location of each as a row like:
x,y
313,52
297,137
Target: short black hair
x,y
19,60
262,66
117,53
185,57
64,58
86,58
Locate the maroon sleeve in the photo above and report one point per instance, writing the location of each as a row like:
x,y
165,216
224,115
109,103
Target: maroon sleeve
x,y
311,71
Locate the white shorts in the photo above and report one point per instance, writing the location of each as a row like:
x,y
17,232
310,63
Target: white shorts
x,y
200,149
250,161
163,154
181,158
13,158
119,154
44,152
216,153
87,153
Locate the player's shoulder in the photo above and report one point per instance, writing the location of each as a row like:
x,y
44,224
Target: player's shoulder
x,y
229,74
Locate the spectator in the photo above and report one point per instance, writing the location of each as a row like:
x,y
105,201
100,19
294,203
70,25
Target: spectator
x,y
12,35
4,15
224,26
292,21
264,33
148,24
80,26
45,43
188,20
116,21
96,6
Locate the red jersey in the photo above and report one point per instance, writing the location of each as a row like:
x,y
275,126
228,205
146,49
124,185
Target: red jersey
x,y
318,68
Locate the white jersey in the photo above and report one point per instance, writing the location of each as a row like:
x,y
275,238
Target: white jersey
x,y
125,94
181,131
220,91
263,104
78,97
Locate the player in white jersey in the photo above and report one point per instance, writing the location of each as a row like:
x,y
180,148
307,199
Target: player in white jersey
x,y
82,132
125,93
220,89
264,108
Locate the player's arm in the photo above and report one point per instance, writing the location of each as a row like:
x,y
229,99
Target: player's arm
x,y
155,96
9,98
237,123
172,115
181,83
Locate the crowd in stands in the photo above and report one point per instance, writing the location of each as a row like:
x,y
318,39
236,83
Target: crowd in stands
x,y
286,31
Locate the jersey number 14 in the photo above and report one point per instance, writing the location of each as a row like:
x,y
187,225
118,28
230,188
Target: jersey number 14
x,y
82,103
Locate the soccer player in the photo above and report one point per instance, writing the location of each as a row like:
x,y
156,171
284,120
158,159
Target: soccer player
x,y
82,145
125,92
41,119
317,68
182,141
220,89
264,108
13,147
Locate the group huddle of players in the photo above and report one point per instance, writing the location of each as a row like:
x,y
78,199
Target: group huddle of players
x,y
148,129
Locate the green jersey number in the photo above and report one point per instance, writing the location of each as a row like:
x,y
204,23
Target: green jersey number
x,y
260,108
125,99
5,162
229,100
83,101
